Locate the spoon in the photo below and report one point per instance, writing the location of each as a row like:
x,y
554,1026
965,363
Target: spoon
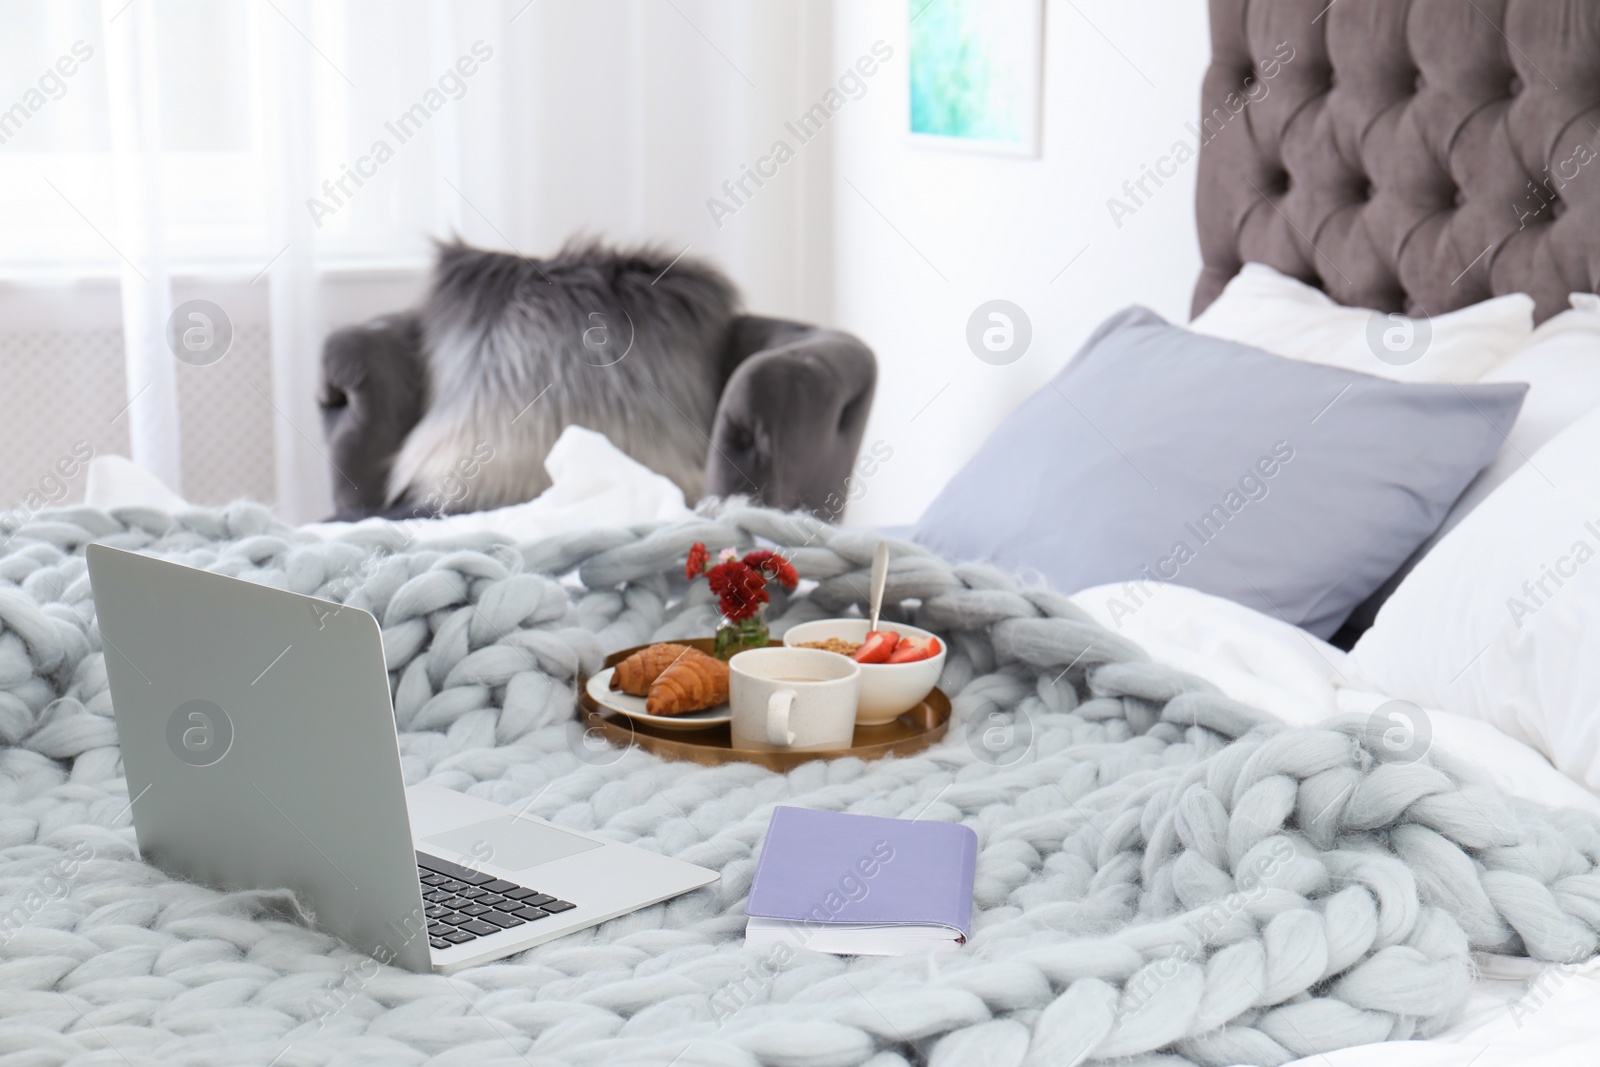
x,y
880,575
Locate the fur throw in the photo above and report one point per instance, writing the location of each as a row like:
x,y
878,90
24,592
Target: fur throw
x,y
628,343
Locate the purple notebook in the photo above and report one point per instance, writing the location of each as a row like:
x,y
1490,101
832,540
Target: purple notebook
x,y
860,884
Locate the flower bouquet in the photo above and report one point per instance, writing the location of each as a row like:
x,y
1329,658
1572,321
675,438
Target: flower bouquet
x,y
740,585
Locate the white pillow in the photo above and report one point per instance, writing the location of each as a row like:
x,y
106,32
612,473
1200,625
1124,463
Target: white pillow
x,y
1269,310
1561,364
1497,622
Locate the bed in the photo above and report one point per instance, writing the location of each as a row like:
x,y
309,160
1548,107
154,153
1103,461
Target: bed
x,y
112,962
1517,1011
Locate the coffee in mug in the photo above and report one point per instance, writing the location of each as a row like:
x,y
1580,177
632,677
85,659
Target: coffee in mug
x,y
793,698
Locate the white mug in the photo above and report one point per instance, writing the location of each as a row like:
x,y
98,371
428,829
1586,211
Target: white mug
x,y
793,698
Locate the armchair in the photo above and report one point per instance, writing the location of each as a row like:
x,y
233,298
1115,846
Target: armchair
x,y
791,406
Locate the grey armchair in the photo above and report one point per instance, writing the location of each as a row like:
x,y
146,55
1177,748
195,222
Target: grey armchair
x,y
794,401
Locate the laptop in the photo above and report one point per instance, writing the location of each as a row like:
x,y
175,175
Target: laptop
x,y
260,749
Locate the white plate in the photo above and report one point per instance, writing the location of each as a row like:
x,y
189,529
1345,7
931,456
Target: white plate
x,y
601,693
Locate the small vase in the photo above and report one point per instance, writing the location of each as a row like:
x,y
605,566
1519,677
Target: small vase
x,y
735,636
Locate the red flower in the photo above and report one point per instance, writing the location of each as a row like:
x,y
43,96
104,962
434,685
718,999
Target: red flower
x,y
740,589
741,584
772,565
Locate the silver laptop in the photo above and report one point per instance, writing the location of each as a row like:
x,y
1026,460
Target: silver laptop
x,y
260,749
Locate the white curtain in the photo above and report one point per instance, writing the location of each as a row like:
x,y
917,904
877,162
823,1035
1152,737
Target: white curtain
x,y
135,123
301,466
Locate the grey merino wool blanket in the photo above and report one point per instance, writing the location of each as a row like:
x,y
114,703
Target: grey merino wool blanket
x,y
1164,875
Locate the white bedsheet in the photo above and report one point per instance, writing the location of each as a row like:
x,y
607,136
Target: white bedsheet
x,y
1519,1012
593,484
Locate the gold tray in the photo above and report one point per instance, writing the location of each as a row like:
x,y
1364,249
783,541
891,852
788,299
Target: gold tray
x,y
912,732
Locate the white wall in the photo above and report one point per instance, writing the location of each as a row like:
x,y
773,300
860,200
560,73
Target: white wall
x,y
1121,81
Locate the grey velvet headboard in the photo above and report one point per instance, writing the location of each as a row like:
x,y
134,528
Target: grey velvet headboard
x,y
1409,155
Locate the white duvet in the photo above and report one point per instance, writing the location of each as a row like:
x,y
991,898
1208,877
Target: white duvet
x,y
592,484
1519,1012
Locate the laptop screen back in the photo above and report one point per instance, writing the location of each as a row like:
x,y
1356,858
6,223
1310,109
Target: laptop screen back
x,y
259,744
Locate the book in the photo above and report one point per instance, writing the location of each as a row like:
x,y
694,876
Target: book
x,y
861,884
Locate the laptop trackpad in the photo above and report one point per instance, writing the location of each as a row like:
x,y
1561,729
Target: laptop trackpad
x,y
509,842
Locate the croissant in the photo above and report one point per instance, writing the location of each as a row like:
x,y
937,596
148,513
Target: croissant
x,y
695,682
635,674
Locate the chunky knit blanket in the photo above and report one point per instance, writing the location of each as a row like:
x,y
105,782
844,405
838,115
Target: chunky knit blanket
x,y
1163,874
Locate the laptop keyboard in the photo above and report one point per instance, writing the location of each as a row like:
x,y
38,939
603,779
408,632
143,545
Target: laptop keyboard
x,y
464,905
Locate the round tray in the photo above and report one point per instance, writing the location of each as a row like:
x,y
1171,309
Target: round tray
x,y
911,732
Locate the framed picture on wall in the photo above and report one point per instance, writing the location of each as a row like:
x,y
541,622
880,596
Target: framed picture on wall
x,y
976,74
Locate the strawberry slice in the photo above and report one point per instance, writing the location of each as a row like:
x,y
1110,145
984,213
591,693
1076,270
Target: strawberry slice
x,y
912,651
877,647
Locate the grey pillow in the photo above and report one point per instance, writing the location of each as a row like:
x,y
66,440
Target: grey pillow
x,y
1160,455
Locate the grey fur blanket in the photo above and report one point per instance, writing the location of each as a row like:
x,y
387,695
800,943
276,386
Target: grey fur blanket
x,y
1162,873
628,343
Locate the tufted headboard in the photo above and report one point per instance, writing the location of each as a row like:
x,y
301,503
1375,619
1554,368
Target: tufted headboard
x,y
1404,155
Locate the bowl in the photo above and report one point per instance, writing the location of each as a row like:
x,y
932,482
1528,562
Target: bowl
x,y
888,690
